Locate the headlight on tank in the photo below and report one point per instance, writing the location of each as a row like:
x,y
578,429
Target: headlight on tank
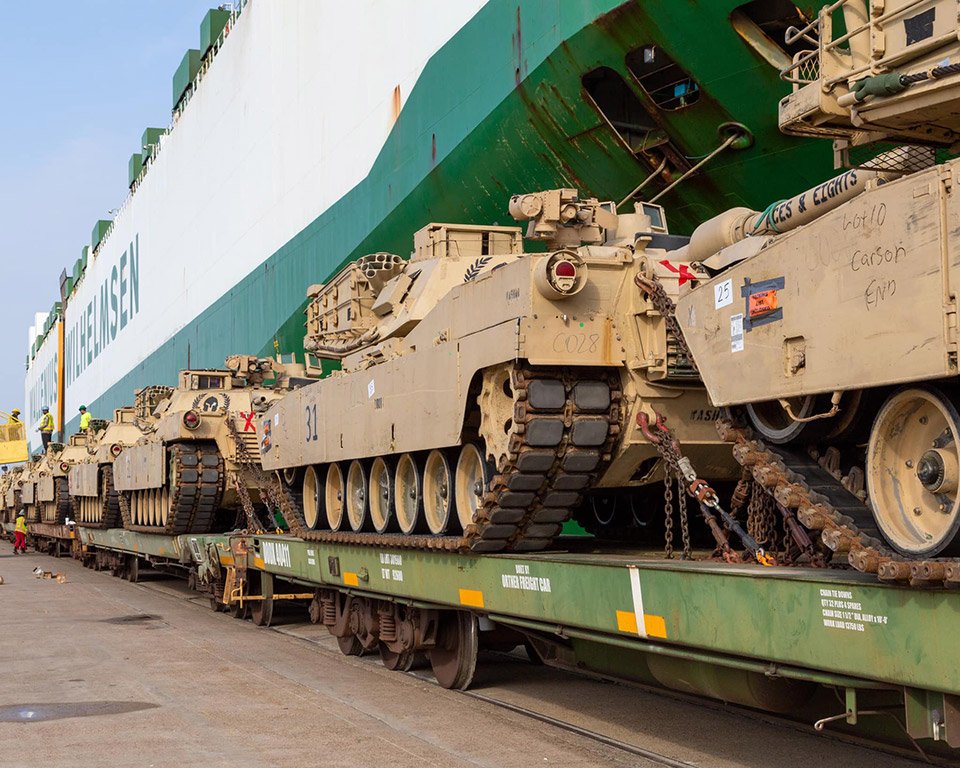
x,y
115,449
64,466
560,275
191,419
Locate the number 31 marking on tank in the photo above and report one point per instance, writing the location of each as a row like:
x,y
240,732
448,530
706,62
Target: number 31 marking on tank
x,y
311,411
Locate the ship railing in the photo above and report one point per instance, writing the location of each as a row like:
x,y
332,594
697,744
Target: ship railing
x,y
852,55
235,8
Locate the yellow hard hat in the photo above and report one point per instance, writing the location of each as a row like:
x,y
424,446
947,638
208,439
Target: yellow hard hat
x,y
15,411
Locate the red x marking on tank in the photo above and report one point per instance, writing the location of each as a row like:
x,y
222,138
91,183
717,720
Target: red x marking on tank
x,y
684,271
248,425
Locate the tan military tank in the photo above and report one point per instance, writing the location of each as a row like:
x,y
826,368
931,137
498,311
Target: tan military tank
x,y
484,392
10,494
832,316
96,502
44,490
194,465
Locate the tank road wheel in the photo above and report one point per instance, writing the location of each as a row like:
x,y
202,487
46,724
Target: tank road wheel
x,y
454,659
261,611
381,494
775,426
311,498
437,492
472,479
912,472
604,508
333,497
409,493
357,503
394,661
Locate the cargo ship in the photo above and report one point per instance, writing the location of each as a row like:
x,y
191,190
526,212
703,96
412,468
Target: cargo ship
x,y
304,135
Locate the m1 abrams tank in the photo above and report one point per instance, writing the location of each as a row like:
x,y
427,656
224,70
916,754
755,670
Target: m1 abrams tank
x,y
10,494
96,502
44,491
832,318
197,452
484,392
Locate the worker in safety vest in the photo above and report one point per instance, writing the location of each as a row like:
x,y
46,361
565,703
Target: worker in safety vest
x,y
20,534
46,427
14,417
84,418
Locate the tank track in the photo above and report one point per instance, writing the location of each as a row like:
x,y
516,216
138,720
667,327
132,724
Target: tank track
x,y
199,479
565,422
821,503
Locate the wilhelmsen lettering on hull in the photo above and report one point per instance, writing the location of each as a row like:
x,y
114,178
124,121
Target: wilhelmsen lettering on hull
x,y
108,312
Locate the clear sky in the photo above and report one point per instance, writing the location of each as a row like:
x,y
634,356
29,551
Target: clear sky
x,y
80,82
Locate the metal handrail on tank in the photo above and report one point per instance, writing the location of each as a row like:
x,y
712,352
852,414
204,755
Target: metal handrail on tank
x,y
862,23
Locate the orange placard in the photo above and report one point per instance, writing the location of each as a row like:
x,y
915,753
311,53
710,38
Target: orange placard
x,y
762,303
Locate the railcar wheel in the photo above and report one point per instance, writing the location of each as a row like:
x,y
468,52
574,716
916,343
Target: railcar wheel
x,y
311,498
381,494
912,472
333,497
396,662
350,645
261,611
454,658
132,571
239,611
409,493
437,492
357,502
472,479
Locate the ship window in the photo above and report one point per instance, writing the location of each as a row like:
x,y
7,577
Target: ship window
x,y
209,382
662,80
763,25
622,109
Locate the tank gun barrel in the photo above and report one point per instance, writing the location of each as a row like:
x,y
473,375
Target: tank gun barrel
x,y
738,224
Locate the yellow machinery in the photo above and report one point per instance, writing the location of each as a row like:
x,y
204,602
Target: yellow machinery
x,y
13,441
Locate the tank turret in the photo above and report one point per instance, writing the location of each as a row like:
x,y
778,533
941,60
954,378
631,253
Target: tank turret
x,y
381,296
